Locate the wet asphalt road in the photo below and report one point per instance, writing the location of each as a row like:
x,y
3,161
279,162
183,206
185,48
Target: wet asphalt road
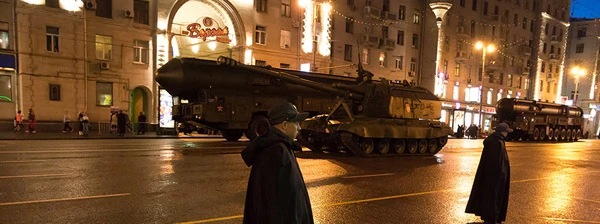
x,y
204,180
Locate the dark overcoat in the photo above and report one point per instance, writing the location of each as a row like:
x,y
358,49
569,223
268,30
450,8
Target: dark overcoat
x,y
489,195
121,123
276,190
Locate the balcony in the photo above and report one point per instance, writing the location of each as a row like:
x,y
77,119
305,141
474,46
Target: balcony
x,y
388,44
388,16
370,40
554,40
462,56
554,57
461,31
524,70
370,12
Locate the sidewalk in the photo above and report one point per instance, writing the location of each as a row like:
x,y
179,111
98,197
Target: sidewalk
x,y
9,135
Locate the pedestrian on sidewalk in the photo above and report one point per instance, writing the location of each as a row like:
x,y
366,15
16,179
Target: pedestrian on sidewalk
x,y
79,119
85,122
30,122
18,122
489,195
121,123
113,122
141,124
66,120
276,190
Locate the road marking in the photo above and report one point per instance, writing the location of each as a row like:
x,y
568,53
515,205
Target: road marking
x,y
34,175
382,198
214,220
571,220
78,151
22,161
64,199
370,175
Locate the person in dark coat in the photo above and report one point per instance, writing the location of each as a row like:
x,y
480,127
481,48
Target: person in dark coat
x,y
276,190
141,124
121,123
489,195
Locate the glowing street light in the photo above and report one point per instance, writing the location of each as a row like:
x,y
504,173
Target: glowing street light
x,y
485,48
577,72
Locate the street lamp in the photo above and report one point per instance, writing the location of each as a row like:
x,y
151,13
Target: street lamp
x,y
577,72
485,48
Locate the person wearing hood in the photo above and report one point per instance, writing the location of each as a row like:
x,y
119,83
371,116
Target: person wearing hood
x,y
489,195
276,190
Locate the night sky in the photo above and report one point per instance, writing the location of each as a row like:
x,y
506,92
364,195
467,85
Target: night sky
x,y
585,8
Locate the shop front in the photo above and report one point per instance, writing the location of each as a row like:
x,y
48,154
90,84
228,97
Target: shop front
x,y
457,114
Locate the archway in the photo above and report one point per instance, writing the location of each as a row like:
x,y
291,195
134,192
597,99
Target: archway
x,y
205,29
140,102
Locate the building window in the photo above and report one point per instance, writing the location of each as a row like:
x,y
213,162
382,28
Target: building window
x,y
555,88
400,62
519,80
260,63
365,56
473,29
141,12
402,12
400,38
52,3
54,92
413,64
286,8
515,19
350,25
382,59
455,92
416,17
548,87
489,96
284,40
4,44
485,8
544,48
474,5
447,43
509,80
347,52
543,67
103,47
415,41
491,78
140,51
6,91
457,69
579,48
104,8
526,84
462,3
52,35
284,66
501,81
499,95
524,25
104,93
261,5
581,32
260,35
445,69
541,85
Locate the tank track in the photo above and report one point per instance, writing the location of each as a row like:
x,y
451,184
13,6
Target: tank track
x,y
351,142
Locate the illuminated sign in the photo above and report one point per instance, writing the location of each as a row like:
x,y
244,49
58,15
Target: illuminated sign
x,y
166,110
196,31
6,98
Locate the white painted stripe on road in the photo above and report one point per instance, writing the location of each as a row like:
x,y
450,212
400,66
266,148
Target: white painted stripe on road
x,y
571,220
64,199
34,175
113,150
370,175
23,161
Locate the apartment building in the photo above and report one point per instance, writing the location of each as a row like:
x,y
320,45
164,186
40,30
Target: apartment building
x,y
8,77
529,39
581,71
91,56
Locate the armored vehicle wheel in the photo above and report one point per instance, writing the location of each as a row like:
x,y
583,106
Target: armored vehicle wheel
x,y
563,134
422,146
542,134
432,146
383,146
551,134
311,140
442,141
569,135
578,135
413,145
367,146
536,134
399,146
258,126
232,135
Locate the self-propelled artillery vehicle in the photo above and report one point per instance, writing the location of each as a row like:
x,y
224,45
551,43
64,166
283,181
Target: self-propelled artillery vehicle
x,y
369,118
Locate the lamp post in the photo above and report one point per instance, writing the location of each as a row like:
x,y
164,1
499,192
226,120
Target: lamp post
x,y
577,72
485,48
439,8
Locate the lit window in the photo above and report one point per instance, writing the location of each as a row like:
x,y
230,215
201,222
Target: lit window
x,y
489,96
103,47
382,59
140,51
455,92
52,35
104,95
416,18
284,40
365,56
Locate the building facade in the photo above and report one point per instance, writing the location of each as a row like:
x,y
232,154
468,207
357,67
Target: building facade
x,y
8,76
583,54
529,39
93,56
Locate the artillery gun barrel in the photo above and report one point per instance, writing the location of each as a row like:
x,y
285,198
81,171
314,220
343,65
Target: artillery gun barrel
x,y
291,79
